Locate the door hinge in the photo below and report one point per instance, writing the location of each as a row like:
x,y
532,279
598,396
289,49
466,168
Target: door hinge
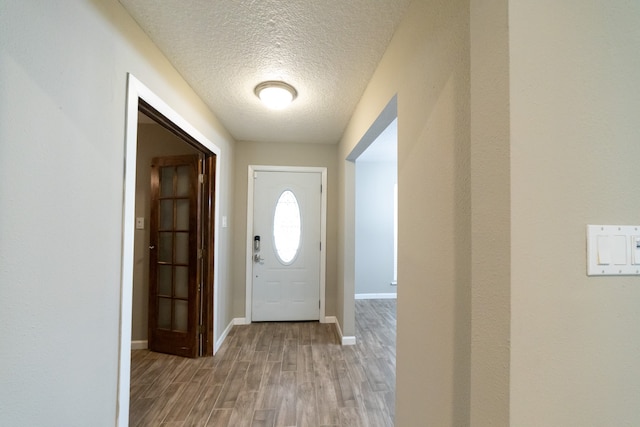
x,y
201,178
320,188
200,329
318,304
200,253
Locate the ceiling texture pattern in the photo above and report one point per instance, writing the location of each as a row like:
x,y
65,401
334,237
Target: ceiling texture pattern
x,y
327,49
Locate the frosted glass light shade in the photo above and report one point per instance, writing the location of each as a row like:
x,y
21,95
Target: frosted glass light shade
x,y
275,95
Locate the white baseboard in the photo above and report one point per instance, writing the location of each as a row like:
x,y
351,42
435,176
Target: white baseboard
x,y
329,319
393,295
349,340
344,340
144,344
223,336
234,321
139,345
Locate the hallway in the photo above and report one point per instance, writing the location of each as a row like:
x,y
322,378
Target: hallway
x,y
275,374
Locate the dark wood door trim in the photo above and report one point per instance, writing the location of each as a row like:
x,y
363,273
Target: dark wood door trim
x,y
209,255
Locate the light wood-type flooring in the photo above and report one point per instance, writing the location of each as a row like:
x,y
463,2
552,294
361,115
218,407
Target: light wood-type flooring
x,y
275,374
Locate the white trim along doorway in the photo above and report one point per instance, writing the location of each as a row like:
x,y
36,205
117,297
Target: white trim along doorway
x,y
249,243
137,91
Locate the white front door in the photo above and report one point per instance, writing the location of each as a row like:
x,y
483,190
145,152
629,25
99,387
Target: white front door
x,y
286,250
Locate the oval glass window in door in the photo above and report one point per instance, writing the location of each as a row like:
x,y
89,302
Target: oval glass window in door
x,y
287,227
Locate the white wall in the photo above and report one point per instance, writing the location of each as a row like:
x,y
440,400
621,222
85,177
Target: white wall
x,y
575,148
63,77
374,263
566,346
490,214
520,335
282,154
427,66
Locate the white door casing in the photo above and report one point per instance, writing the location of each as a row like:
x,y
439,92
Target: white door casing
x,y
289,289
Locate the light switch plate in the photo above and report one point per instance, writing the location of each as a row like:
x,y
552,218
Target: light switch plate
x,y
612,250
140,223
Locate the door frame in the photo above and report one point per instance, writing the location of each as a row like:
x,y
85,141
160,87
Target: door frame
x,y
207,166
136,92
249,243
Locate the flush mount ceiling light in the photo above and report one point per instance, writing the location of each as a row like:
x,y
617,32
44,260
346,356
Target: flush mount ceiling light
x,y
275,95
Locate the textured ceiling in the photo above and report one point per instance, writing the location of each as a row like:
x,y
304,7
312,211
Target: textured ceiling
x,y
326,49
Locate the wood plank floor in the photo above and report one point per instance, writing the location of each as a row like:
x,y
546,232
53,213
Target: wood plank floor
x,y
275,374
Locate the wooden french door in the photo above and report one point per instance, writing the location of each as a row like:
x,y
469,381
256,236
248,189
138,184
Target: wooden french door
x,y
176,261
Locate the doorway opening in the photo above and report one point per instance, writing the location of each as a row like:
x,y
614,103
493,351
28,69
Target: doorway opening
x,y
376,217
142,100
386,122
371,186
172,284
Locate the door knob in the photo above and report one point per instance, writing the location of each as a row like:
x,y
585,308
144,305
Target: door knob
x,y
257,258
